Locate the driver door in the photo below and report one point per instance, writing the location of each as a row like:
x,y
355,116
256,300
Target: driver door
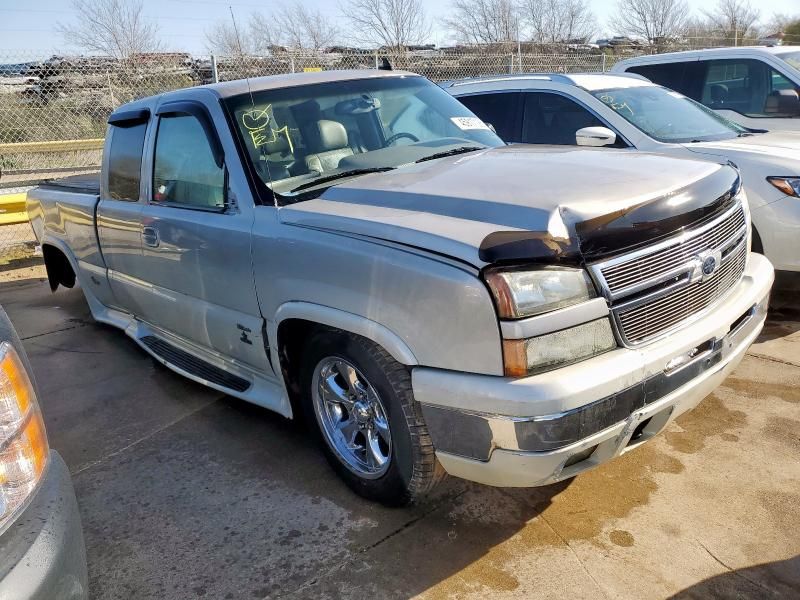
x,y
196,242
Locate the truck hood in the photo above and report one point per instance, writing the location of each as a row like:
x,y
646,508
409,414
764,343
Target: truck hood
x,y
524,203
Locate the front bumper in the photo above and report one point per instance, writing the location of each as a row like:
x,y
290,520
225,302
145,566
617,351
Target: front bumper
x,y
42,553
541,429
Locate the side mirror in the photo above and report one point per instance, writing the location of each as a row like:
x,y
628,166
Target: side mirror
x,y
595,136
783,102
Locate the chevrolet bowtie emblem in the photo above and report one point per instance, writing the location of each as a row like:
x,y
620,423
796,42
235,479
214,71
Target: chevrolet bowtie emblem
x,y
706,264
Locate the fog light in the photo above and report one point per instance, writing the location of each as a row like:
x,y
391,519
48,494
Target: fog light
x,y
558,349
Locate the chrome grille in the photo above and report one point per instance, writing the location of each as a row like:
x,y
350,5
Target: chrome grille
x,y
627,274
659,288
653,318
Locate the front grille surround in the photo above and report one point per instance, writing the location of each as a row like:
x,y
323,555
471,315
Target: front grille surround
x,y
660,288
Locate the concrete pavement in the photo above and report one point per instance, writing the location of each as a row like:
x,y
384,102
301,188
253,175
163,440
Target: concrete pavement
x,y
186,493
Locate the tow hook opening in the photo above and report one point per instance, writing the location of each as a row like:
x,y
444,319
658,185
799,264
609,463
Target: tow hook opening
x,y
639,431
580,456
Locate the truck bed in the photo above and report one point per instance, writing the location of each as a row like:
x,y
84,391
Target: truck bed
x,y
87,183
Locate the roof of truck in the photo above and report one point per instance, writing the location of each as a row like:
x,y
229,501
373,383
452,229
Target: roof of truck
x,y
240,86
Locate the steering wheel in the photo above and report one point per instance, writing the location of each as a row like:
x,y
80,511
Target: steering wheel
x,y
401,135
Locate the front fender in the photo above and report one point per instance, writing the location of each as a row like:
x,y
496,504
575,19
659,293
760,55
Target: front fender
x,y
423,309
340,319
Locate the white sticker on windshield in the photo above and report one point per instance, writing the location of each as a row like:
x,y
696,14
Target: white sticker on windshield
x,y
676,95
464,123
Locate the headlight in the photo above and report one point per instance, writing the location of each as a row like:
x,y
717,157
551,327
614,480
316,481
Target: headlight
x,y
558,349
788,185
23,443
522,293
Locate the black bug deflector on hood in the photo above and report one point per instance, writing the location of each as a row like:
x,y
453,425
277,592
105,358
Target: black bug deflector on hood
x,y
620,231
651,221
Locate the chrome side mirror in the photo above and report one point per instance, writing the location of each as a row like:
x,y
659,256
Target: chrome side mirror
x,y
595,136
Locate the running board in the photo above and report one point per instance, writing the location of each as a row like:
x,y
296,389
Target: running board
x,y
193,365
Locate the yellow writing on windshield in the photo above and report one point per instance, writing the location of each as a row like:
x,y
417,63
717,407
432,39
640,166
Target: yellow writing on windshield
x,y
617,106
258,123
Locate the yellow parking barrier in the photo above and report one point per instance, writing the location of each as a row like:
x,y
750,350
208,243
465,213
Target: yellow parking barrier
x,y
12,209
52,146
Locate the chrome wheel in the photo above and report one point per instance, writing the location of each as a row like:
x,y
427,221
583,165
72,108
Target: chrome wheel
x,y
352,417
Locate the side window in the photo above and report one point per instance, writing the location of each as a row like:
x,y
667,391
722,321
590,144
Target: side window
x,y
125,162
669,75
184,171
747,86
554,119
779,82
500,110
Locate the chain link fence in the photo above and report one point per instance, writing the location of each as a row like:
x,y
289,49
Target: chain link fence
x,y
53,109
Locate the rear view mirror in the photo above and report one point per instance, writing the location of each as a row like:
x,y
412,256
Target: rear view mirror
x,y
595,136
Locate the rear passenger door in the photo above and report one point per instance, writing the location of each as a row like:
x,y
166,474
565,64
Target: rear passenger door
x,y
195,240
119,209
501,110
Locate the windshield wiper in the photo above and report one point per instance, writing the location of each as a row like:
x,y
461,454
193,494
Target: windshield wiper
x,y
451,152
340,175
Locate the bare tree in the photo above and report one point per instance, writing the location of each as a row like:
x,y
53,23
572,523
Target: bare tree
x,y
302,27
779,22
393,24
733,19
654,20
113,27
254,36
484,21
552,21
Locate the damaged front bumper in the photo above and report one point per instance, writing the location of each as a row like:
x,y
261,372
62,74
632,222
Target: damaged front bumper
x,y
544,428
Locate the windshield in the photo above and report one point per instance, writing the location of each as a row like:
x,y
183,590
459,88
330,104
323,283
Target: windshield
x,y
793,58
668,116
327,132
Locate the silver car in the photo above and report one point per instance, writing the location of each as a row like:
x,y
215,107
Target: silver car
x,y
42,554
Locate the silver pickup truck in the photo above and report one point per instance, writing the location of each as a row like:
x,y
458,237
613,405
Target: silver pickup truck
x,y
360,249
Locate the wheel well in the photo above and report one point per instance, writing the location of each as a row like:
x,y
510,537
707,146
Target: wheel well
x,y
59,269
293,335
757,245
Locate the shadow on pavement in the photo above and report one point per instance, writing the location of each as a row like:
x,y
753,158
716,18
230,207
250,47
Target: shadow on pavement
x,y
768,580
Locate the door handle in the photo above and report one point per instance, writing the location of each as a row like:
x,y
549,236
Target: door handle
x,y
150,236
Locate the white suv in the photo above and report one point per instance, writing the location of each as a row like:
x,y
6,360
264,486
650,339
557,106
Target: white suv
x,y
627,111
758,87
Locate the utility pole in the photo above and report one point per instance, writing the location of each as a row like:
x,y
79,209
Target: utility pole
x,y
214,70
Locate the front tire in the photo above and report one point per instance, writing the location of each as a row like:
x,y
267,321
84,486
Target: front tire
x,y
359,400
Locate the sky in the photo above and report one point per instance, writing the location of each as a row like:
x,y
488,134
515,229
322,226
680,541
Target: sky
x,y
32,31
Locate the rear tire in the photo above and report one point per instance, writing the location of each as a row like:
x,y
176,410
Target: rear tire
x,y
359,401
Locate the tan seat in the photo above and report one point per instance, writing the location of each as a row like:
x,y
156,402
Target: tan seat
x,y
333,147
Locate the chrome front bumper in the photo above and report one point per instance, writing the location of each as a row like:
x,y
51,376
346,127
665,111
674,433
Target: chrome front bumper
x,y
541,429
